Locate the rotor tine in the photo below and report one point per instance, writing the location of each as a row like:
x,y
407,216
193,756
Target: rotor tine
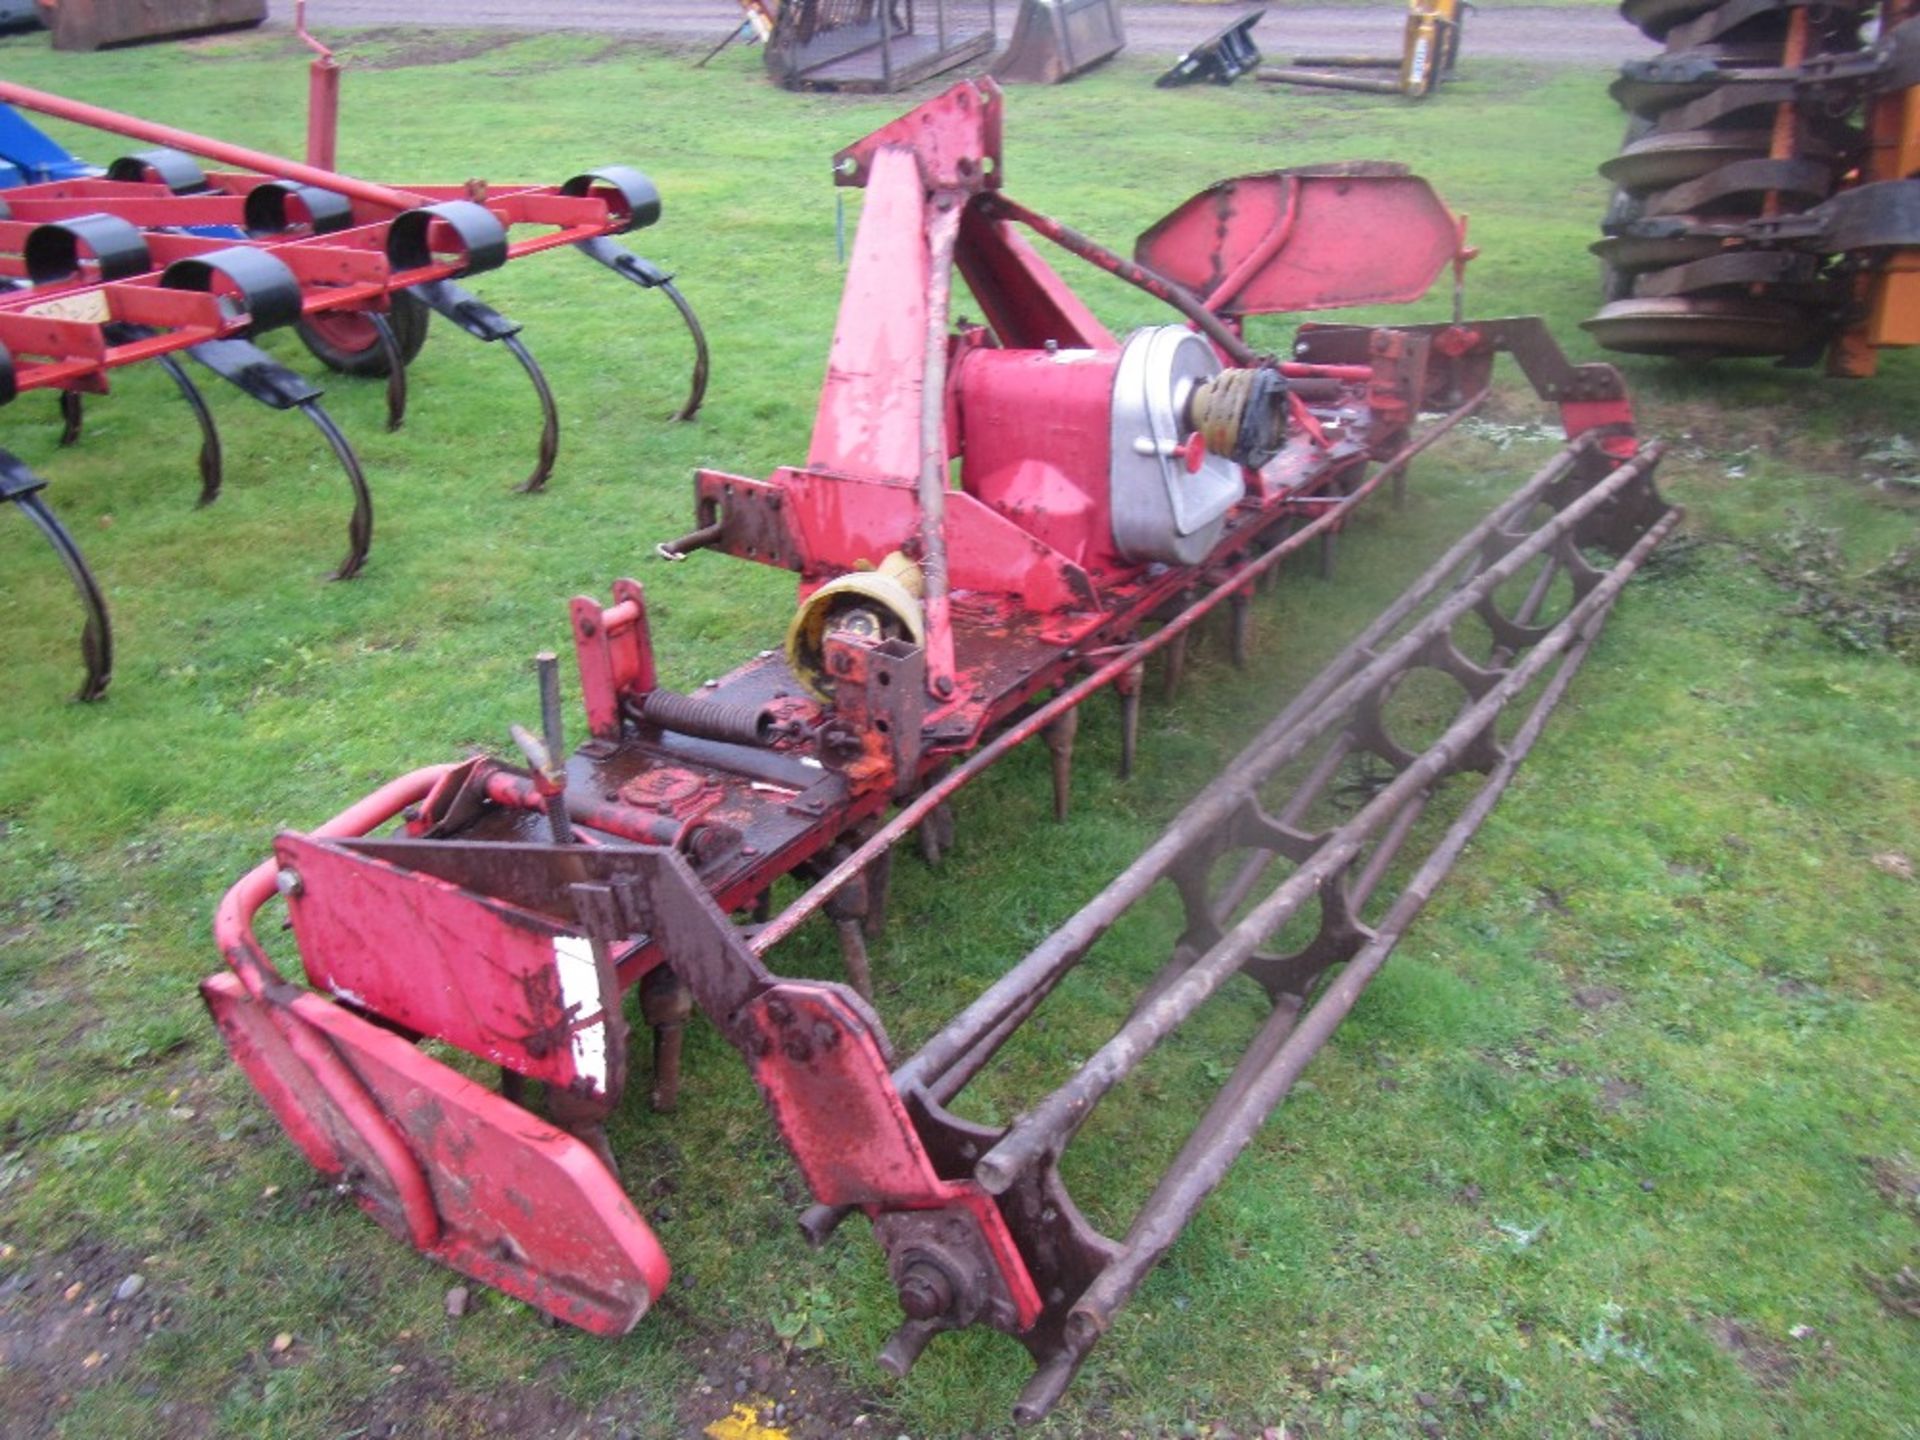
x,y
396,370
22,487
1128,688
1176,666
360,527
549,416
853,954
1058,736
211,463
1239,627
70,417
697,391
666,1002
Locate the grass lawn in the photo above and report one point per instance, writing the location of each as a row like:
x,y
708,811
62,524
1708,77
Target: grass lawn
x,y
1622,1143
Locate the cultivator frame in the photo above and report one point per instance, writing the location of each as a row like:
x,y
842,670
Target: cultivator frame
x,y
157,259
515,904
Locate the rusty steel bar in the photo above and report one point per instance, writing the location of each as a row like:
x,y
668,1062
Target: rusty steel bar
x,y
910,815
1044,1128
1329,80
1269,1071
1048,962
1156,285
44,103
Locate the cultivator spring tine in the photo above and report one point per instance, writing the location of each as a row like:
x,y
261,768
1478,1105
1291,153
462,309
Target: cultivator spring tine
x,y
396,366
211,463
360,527
21,486
257,374
649,276
480,320
210,458
72,414
549,417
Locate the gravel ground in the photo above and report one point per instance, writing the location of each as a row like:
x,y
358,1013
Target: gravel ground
x,y
1593,37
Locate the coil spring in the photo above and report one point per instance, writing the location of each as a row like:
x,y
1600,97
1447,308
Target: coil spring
x,y
707,719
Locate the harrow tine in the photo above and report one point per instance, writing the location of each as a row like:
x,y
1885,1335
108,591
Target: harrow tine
x,y
71,415
649,276
211,467
257,374
21,486
396,365
480,320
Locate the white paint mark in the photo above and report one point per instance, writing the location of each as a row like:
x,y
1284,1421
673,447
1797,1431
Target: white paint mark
x,y
580,995
343,993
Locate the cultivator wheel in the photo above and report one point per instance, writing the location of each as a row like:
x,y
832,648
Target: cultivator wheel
x,y
1757,138
350,341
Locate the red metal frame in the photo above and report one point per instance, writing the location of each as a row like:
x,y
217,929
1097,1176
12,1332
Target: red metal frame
x,y
56,332
680,812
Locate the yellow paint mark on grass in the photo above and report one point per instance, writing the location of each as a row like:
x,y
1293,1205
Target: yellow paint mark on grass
x,y
743,1424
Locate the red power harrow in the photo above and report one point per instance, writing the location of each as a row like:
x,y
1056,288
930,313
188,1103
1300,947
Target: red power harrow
x,y
156,258
1110,494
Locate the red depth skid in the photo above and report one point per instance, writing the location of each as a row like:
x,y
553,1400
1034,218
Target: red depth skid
x,y
994,520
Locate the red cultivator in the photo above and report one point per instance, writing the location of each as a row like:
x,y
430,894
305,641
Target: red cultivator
x,y
1110,494
156,259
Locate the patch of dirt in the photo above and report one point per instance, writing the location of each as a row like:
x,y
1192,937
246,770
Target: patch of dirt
x,y
1897,1180
424,1398
63,1328
1597,997
1771,1365
743,1376
1615,1093
417,47
1899,1292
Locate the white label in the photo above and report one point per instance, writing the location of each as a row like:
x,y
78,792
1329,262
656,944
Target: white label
x,y
88,307
580,994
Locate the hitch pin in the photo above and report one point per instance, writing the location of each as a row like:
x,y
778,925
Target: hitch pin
x,y
546,756
701,539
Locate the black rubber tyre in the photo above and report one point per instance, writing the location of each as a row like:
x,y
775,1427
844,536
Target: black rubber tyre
x,y
346,342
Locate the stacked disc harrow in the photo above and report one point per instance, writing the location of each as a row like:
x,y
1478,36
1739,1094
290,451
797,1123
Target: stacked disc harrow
x,y
1767,197
156,259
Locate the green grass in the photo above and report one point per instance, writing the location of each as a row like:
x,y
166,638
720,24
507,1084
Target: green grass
x,y
1539,1215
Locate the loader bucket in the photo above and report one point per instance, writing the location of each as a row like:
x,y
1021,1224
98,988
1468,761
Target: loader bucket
x,y
96,24
1222,58
1054,40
